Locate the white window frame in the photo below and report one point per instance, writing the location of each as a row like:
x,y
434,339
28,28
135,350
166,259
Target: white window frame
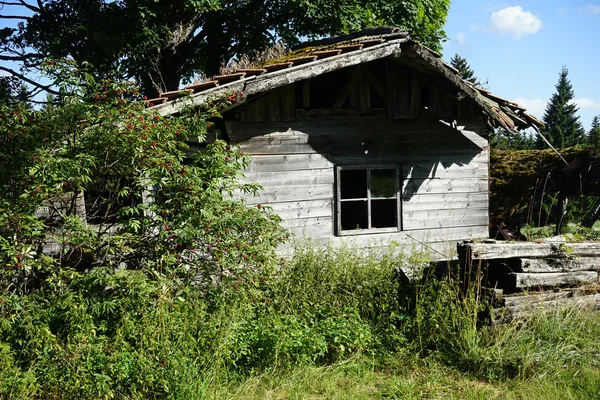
x,y
368,199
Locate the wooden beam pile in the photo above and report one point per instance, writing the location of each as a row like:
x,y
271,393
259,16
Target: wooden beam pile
x,y
549,264
529,276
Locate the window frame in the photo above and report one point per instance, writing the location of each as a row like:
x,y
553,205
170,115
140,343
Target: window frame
x,y
368,199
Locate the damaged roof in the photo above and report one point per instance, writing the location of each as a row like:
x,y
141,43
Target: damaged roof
x,y
335,53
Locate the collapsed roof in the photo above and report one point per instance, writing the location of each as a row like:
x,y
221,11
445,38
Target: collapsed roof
x,y
339,52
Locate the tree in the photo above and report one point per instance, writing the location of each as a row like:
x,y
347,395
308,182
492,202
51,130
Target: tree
x,y
146,208
563,128
159,43
594,133
464,70
504,140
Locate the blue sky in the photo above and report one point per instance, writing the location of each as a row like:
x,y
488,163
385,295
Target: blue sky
x,y
520,48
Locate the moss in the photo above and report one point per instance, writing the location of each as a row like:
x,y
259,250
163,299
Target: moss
x,y
514,174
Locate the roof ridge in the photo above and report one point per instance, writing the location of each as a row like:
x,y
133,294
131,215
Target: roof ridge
x,y
379,31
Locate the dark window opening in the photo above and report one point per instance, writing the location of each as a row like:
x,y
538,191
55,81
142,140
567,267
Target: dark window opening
x,y
355,215
368,198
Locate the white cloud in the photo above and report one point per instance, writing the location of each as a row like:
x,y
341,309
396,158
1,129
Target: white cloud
x,y
592,9
514,21
535,107
461,38
585,103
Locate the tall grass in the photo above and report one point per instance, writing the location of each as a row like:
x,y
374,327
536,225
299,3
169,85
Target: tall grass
x,y
339,313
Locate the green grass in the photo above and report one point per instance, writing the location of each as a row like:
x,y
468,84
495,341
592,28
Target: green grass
x,y
333,324
362,378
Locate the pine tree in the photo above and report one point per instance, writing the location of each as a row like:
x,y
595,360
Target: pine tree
x,y
594,133
464,69
563,127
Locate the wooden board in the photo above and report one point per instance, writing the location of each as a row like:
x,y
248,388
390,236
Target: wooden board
x,y
444,218
293,162
526,280
445,201
484,251
560,264
277,194
441,186
303,209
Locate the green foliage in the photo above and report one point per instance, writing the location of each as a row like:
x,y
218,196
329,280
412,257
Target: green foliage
x,y
127,335
464,70
160,42
147,207
562,125
504,140
594,134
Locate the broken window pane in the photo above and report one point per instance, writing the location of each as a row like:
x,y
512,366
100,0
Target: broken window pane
x,y
354,215
353,183
383,183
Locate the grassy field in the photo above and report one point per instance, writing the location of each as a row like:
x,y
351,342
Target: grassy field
x,y
331,325
361,378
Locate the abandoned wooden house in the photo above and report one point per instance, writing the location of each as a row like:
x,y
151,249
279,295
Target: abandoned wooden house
x,y
364,139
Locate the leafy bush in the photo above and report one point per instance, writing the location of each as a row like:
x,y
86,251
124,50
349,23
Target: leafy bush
x,y
146,206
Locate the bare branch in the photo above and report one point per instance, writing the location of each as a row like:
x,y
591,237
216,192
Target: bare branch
x,y
21,3
46,88
23,57
23,17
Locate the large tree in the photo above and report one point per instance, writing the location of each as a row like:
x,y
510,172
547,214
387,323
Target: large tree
x,y
563,127
464,70
161,42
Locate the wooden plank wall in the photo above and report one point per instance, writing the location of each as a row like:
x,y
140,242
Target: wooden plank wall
x,y
445,176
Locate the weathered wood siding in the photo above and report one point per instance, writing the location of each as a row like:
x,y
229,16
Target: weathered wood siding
x,y
444,176
392,112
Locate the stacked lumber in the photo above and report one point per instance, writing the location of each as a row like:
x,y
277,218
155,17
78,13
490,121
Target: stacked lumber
x,y
552,263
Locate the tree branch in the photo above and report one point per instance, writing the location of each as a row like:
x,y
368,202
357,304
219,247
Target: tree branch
x,y
46,88
21,3
23,57
15,17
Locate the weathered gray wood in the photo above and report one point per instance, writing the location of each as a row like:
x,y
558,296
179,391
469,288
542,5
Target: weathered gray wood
x,y
257,149
460,218
435,186
293,180
293,162
266,177
560,264
239,131
526,280
483,251
445,201
306,94
524,306
348,88
274,194
438,170
303,209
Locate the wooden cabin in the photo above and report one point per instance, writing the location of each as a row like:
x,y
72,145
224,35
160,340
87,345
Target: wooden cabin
x,y
366,140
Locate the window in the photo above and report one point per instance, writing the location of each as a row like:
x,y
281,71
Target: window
x,y
368,199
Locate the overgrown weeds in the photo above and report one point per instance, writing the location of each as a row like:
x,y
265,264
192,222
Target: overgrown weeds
x,y
339,314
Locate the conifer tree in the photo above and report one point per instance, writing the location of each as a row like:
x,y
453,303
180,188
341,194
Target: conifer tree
x,y
464,69
563,127
594,133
